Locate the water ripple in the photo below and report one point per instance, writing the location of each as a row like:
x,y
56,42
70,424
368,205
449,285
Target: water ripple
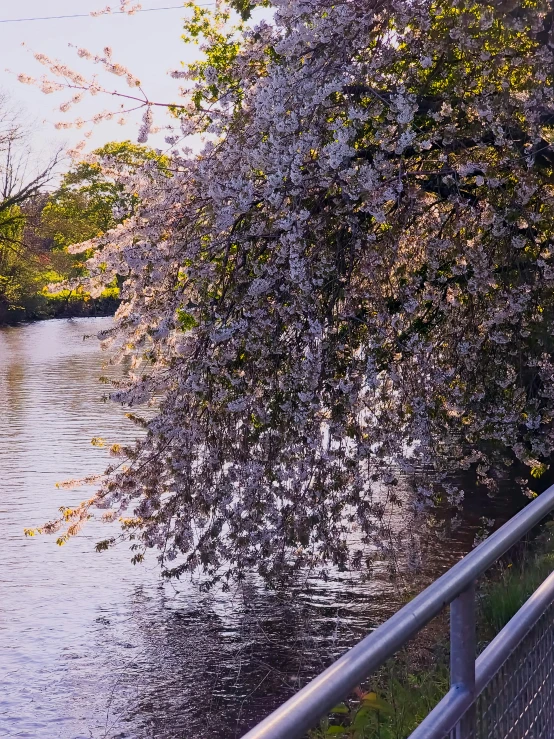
x,y
94,648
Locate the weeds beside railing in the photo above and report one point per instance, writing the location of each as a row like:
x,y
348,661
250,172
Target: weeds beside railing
x,y
407,687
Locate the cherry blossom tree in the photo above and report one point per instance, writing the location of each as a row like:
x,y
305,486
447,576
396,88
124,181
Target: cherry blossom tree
x,y
351,281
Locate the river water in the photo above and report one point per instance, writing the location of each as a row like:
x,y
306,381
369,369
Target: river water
x,y
94,648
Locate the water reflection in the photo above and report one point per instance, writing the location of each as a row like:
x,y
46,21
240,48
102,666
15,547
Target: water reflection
x,y
94,647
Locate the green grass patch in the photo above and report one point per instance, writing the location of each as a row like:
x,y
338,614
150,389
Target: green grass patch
x,y
502,596
406,689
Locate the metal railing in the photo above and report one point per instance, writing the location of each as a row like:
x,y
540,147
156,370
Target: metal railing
x,y
508,691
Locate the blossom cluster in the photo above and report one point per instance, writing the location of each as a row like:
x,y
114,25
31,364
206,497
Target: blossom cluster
x,y
125,6
351,282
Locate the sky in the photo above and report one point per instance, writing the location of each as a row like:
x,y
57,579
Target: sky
x,y
148,43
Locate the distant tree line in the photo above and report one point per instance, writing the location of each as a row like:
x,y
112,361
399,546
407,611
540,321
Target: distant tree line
x,y
43,212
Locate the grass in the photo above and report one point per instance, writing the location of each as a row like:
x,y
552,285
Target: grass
x,y
410,685
501,597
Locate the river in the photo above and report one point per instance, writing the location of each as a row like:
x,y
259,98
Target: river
x,y
92,647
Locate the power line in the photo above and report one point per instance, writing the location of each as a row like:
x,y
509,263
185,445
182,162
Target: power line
x,y
88,15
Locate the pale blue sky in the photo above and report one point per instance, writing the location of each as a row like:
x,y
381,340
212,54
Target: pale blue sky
x,y
148,43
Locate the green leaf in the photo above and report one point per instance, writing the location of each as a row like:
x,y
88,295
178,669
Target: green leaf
x,y
341,708
375,703
538,470
362,718
186,321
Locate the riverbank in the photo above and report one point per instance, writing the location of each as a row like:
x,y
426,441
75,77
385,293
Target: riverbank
x,y
407,688
66,304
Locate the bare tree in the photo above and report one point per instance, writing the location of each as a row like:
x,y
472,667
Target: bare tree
x,y
21,179
24,182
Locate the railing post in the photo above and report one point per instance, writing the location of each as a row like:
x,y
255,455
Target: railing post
x,y
463,654
304,709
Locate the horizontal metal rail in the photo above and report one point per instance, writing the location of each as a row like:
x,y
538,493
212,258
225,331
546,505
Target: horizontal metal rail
x,y
309,705
489,662
444,716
